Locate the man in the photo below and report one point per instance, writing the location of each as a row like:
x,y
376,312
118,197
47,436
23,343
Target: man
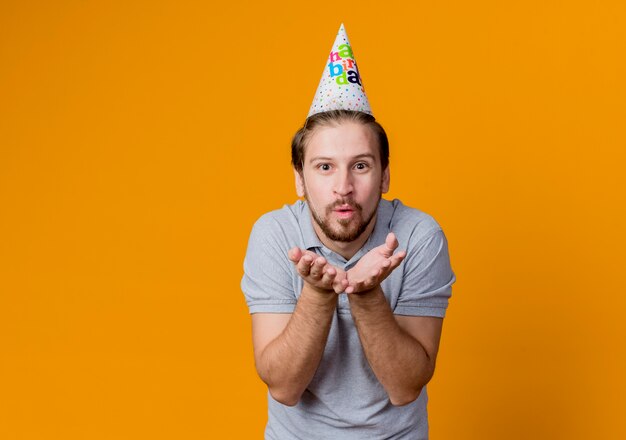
x,y
346,327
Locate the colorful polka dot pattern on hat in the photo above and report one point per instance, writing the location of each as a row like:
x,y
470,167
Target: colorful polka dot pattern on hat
x,y
341,87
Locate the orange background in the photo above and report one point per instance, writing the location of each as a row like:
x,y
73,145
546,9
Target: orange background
x,y
139,141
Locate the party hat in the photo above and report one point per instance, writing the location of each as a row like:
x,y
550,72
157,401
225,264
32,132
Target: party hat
x,y
341,87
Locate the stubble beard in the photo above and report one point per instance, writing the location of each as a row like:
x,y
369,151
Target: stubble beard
x,y
346,230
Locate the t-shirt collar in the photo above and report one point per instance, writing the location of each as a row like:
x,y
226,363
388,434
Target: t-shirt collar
x,y
308,233
381,228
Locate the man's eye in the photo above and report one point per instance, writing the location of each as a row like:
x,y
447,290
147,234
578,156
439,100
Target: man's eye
x,y
324,167
361,166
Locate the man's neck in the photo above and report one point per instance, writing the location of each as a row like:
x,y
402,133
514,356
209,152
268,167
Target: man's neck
x,y
345,249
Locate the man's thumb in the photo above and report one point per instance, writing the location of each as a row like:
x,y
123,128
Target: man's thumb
x,y
391,243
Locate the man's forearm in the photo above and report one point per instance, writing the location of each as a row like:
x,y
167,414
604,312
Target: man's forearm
x,y
288,363
398,360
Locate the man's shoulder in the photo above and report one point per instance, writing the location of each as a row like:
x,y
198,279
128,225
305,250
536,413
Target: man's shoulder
x,y
283,221
409,220
287,213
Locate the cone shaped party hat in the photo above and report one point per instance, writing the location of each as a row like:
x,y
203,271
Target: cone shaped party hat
x,y
341,87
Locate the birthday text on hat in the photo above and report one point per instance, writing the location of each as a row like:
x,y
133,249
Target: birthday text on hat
x,y
343,67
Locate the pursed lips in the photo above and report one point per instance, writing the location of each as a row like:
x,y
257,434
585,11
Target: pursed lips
x,y
344,210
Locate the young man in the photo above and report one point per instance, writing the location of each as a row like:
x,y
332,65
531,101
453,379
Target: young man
x,y
346,327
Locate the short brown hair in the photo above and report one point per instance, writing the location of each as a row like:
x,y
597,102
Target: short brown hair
x,y
334,118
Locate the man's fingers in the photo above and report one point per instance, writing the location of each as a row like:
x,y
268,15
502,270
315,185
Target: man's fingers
x,y
304,265
329,277
396,259
340,285
317,269
391,242
294,254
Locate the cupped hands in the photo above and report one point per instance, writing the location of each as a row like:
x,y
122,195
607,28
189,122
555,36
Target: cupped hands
x,y
368,273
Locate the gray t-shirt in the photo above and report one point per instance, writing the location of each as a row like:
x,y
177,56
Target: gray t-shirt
x,y
344,399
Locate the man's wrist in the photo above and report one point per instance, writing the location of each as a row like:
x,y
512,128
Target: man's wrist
x,y
368,298
319,294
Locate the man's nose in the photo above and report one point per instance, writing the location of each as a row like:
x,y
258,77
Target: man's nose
x,y
343,183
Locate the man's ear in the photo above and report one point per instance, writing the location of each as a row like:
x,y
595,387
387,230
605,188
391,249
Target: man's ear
x,y
384,184
299,182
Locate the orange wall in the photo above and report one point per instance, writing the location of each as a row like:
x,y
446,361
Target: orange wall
x,y
140,140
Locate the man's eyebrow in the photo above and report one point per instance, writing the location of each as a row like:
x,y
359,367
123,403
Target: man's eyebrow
x,y
330,159
313,159
365,156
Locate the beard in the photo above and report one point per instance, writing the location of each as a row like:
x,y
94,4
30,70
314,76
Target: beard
x,y
342,230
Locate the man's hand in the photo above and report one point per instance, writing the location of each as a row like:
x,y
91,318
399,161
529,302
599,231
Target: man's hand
x,y
317,272
374,266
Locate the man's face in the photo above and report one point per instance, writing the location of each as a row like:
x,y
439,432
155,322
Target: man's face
x,y
342,180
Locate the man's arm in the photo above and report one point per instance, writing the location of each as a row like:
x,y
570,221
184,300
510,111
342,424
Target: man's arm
x,y
401,350
288,347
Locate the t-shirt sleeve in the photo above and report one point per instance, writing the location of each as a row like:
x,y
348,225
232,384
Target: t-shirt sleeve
x,y
267,282
428,278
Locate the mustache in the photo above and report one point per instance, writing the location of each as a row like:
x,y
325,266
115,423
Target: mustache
x,y
337,203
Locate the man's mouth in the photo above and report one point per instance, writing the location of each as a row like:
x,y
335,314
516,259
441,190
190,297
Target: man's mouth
x,y
344,211
344,208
